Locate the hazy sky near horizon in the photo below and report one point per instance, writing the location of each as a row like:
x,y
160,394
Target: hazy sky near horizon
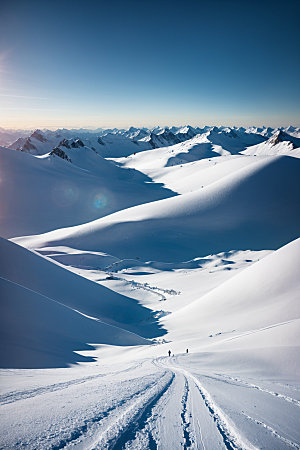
x,y
120,63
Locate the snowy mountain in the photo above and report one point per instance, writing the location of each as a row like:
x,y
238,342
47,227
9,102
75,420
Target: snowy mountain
x,y
149,288
280,143
166,137
107,144
120,142
8,137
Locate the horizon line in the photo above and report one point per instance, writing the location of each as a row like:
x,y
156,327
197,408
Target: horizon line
x,y
95,128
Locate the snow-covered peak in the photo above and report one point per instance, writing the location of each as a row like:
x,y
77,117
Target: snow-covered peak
x,y
282,136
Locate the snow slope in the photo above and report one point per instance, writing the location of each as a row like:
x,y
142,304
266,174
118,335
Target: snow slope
x,y
39,332
280,143
235,390
44,193
185,176
257,299
249,209
25,273
193,149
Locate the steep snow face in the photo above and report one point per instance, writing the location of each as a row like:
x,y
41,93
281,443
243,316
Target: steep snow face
x,y
68,187
267,148
39,332
239,211
262,296
35,290
280,143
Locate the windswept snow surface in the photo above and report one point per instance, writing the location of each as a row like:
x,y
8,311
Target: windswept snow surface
x,y
194,245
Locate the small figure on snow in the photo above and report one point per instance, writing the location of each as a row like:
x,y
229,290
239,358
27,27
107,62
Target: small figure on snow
x,y
187,350
169,352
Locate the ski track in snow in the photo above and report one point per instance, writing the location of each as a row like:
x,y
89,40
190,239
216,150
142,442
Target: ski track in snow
x,y
267,391
174,398
272,431
77,435
184,418
231,437
146,287
125,426
15,396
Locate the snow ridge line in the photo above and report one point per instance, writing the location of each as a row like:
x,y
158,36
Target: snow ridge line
x,y
125,426
232,439
273,431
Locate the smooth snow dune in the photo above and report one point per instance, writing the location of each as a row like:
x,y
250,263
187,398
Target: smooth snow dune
x,y
39,194
38,332
254,208
263,297
47,278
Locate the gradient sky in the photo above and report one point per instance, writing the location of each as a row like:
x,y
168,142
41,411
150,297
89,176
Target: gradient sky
x,y
120,63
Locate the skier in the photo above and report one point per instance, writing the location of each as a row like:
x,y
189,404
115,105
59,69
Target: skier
x,y
169,352
187,350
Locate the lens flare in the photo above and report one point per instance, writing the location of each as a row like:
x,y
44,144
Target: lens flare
x,y
100,201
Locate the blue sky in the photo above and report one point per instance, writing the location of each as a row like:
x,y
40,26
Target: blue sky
x,y
121,63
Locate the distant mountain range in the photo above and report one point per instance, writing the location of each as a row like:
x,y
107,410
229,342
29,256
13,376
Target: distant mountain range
x,y
124,142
